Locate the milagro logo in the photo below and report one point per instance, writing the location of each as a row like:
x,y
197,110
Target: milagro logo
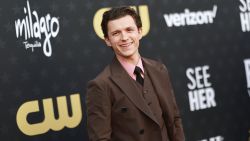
x,y
33,27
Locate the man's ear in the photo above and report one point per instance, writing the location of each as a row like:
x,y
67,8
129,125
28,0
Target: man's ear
x,y
140,32
106,39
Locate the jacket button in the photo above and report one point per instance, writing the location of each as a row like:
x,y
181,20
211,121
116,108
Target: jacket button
x,y
145,91
124,109
141,131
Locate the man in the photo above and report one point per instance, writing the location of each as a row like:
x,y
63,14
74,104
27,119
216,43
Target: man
x,y
132,99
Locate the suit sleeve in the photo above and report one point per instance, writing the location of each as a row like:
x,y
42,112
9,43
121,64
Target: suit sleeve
x,y
178,133
98,112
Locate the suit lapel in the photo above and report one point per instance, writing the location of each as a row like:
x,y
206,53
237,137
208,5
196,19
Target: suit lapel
x,y
121,79
160,83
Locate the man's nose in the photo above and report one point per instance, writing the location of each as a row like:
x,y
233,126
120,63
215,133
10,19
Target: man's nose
x,y
124,36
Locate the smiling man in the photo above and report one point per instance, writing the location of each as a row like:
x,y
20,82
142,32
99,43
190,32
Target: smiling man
x,y
132,98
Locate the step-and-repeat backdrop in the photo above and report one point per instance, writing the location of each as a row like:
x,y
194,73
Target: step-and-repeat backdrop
x,y
50,49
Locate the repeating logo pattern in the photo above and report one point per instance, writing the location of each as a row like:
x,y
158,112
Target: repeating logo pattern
x,y
205,45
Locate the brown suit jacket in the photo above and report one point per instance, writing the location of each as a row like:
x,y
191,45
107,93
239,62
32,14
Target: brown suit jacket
x,y
116,112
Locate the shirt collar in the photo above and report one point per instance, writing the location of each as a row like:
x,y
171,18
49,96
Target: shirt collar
x,y
131,67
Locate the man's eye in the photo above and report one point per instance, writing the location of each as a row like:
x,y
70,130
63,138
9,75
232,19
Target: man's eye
x,y
130,29
115,33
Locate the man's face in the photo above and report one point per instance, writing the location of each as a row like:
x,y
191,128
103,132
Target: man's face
x,y
123,37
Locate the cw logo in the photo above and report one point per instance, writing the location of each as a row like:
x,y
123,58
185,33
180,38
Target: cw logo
x,y
249,135
49,121
143,12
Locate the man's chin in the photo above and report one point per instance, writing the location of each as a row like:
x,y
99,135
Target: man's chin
x,y
125,56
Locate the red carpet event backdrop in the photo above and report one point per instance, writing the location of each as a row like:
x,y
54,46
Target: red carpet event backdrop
x,y
50,49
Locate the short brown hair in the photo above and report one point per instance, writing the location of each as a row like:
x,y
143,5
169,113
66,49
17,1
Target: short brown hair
x,y
116,13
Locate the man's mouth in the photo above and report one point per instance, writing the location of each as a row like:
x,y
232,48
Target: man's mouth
x,y
126,45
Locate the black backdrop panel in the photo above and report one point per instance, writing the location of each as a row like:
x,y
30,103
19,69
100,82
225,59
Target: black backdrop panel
x,y
203,43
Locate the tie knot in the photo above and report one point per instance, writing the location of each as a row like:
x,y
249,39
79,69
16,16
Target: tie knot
x,y
138,70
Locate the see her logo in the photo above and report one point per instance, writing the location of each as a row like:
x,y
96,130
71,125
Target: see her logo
x,y
247,69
